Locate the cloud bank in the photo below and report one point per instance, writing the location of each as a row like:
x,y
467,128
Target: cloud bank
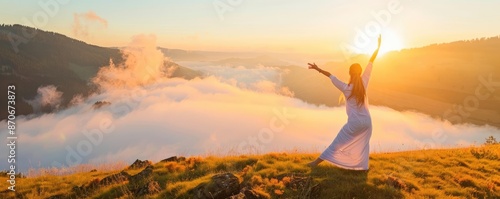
x,y
205,116
153,117
258,78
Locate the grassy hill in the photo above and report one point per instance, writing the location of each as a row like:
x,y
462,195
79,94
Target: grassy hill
x,y
444,173
44,59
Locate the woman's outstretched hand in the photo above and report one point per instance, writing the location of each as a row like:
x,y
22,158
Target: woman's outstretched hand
x,y
372,59
379,40
313,66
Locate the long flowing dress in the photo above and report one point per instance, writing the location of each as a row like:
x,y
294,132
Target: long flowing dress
x,y
351,148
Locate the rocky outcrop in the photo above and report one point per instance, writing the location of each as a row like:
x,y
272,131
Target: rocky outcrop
x,y
115,178
246,193
143,177
152,187
138,164
143,184
174,159
139,184
221,186
86,190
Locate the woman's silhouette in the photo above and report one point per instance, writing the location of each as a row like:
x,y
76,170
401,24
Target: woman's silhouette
x,y
350,149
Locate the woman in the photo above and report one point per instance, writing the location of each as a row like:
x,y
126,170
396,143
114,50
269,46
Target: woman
x,y
350,149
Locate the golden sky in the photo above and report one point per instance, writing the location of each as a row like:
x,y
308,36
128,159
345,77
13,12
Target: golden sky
x,y
260,25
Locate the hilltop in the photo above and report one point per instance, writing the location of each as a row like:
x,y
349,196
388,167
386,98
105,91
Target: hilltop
x,y
472,172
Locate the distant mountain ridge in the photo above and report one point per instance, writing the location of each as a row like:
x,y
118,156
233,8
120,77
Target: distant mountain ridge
x,y
485,43
51,58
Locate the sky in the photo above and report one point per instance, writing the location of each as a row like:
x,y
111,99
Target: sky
x,y
261,25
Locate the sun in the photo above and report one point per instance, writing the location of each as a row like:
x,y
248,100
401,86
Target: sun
x,y
391,41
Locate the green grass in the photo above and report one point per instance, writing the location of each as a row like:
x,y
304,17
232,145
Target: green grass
x,y
444,173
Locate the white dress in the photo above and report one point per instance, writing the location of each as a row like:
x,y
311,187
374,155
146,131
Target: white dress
x,y
351,148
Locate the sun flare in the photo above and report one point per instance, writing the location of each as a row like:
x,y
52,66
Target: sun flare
x,y
391,41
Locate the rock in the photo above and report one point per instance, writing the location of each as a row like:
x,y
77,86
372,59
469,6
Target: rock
x,y
143,184
149,188
140,184
247,193
142,177
174,159
220,187
251,194
170,159
140,164
94,184
115,178
100,104
88,189
306,186
93,170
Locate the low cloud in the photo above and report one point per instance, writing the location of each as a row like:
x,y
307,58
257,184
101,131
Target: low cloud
x,y
144,64
207,116
81,22
47,97
259,78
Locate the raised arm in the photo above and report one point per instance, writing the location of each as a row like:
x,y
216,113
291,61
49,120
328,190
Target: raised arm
x,y
339,84
315,67
372,59
368,70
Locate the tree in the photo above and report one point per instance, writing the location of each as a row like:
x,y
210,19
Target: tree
x,y
491,140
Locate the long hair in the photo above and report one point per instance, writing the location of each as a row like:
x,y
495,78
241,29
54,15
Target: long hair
x,y
358,90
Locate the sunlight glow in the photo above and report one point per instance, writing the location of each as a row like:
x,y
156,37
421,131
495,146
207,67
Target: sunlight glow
x,y
391,41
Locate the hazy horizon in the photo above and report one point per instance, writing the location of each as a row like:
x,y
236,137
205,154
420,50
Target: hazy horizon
x,y
277,26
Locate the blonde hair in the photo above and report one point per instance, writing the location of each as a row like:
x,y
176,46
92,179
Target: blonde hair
x,y
358,89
